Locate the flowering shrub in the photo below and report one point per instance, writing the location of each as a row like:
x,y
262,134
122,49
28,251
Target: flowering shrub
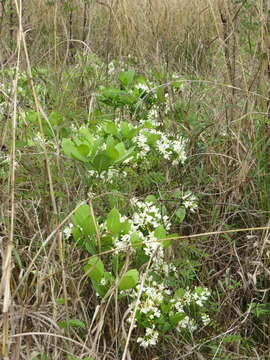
x,y
109,150
142,237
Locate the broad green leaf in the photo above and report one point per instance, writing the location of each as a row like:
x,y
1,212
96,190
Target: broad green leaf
x,y
68,147
126,77
175,319
94,269
111,128
87,136
80,214
83,219
160,233
121,148
129,280
101,290
125,226
181,213
136,241
102,162
71,150
127,154
83,149
31,117
152,138
61,301
125,128
112,152
97,145
165,307
90,245
106,242
128,131
113,221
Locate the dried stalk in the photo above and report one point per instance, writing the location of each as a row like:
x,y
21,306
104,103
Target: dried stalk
x,y
7,263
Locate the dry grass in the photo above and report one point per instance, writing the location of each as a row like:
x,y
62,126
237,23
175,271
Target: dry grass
x,y
160,31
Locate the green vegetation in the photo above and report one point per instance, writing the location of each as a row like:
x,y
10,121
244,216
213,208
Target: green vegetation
x,y
135,179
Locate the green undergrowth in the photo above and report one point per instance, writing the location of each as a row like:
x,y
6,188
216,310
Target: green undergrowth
x,y
140,164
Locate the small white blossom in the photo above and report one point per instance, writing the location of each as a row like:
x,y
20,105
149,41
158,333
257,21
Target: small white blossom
x,y
150,338
142,86
67,231
103,281
205,319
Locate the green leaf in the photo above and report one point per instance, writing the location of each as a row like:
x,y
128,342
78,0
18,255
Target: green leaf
x,y
166,243
113,221
75,323
177,194
102,162
136,241
112,152
80,214
121,148
55,118
125,226
83,149
124,154
151,199
61,301
180,213
126,77
71,150
174,319
94,269
111,128
160,233
87,136
165,307
180,293
151,138
106,243
83,219
232,338
129,280
128,131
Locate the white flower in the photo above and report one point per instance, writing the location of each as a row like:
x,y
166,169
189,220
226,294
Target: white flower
x,y
141,141
111,68
67,231
103,281
205,319
187,323
150,338
190,201
142,86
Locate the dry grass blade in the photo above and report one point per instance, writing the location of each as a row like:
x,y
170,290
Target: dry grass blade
x,y
7,263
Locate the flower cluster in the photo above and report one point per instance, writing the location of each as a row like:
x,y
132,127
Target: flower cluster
x,y
169,147
190,201
150,338
143,223
148,215
155,297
